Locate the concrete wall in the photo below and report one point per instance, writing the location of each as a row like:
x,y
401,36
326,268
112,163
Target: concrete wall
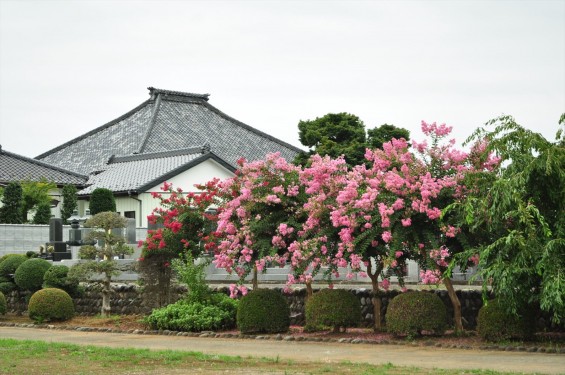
x,y
20,238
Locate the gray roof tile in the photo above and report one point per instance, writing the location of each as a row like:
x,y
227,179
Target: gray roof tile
x,y
169,120
138,173
14,167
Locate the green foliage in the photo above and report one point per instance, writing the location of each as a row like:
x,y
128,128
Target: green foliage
x,y
519,218
34,195
69,202
102,200
12,210
494,323
335,308
42,213
58,277
9,265
7,287
194,276
112,245
215,314
263,310
3,304
334,134
29,275
51,304
376,137
413,312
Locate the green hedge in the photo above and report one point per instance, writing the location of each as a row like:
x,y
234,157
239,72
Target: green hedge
x,y
29,275
3,304
214,314
413,312
58,277
51,304
494,323
263,310
335,308
9,265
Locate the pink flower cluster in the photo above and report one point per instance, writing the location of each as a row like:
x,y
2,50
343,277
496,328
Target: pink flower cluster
x,y
326,216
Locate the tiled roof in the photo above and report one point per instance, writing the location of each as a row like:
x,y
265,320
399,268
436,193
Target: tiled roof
x,y
14,167
137,173
169,120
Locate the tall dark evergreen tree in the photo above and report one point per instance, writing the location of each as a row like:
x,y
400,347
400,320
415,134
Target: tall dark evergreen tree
x,y
102,200
69,202
384,133
334,134
12,210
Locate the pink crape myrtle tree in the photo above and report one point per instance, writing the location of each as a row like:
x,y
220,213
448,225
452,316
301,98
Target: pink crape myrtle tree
x,y
318,241
261,219
445,240
377,216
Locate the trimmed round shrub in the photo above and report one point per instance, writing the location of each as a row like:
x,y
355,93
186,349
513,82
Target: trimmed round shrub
x,y
184,315
494,323
29,275
3,304
335,308
10,263
7,287
412,313
57,276
263,310
51,304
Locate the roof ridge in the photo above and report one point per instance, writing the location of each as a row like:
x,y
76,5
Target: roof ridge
x,y
155,91
42,164
94,131
156,155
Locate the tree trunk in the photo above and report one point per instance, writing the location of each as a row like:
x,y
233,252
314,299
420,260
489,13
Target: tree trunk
x,y
106,291
377,302
255,282
457,319
309,291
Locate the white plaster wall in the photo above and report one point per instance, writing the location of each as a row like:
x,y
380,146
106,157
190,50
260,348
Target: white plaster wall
x,y
199,174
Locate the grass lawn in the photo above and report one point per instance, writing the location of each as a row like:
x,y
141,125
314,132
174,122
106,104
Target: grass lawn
x,y
37,357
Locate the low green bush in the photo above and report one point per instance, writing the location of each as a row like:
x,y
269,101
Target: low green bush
x,y
58,277
412,313
51,304
335,308
9,265
3,304
6,287
29,275
494,323
263,310
215,314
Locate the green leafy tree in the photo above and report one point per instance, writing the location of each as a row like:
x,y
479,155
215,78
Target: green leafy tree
x,y
519,218
34,194
12,210
378,136
42,213
109,246
334,134
69,202
102,200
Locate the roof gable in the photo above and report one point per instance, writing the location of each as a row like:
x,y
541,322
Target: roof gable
x,y
137,173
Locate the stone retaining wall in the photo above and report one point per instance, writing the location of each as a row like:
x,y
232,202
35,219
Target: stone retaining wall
x,y
128,299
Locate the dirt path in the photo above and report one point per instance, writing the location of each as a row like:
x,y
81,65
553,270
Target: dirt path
x,y
310,351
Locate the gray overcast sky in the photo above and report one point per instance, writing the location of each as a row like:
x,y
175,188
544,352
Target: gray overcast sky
x,y
67,67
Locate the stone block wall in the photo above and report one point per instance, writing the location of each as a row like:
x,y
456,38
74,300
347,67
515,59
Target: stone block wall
x,y
128,299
